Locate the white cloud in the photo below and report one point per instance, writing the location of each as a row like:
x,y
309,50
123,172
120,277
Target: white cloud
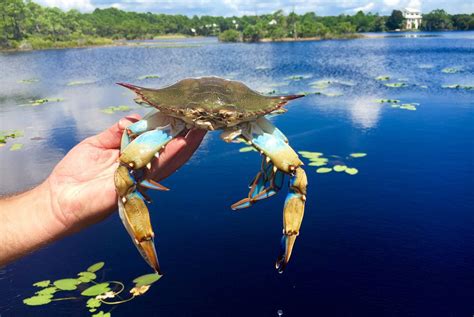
x,y
81,5
366,8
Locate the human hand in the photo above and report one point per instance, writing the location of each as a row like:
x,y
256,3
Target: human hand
x,y
82,184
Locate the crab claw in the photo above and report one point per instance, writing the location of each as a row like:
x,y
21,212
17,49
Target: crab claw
x,y
292,217
135,216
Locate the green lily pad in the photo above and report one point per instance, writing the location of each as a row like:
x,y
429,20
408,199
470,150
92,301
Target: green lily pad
x,y
86,277
101,314
310,155
451,70
67,284
96,289
47,291
456,86
28,81
80,82
351,170
38,300
323,170
382,78
298,77
44,283
408,106
387,100
146,279
339,168
318,163
150,76
93,303
396,85
114,109
16,147
38,102
320,84
95,267
357,155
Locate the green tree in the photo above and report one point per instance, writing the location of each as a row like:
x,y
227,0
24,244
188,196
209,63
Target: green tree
x,y
437,20
230,36
395,20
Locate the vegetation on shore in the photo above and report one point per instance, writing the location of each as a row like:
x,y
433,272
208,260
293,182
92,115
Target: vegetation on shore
x,y
27,25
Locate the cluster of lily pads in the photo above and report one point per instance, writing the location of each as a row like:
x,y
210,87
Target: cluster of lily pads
x,y
395,103
325,164
114,109
457,86
95,294
28,81
331,163
451,70
11,134
42,101
149,76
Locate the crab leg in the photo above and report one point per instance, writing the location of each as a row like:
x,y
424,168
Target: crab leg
x,y
280,159
129,182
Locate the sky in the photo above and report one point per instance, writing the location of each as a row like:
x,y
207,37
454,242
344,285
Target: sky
x,y
251,7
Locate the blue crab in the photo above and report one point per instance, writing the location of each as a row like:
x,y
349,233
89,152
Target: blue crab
x,y
210,103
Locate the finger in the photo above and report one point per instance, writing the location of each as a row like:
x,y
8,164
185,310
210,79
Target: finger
x,y
176,153
110,138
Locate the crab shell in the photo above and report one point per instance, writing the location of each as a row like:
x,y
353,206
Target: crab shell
x,y
210,103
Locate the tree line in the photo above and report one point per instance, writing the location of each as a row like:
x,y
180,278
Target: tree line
x,y
23,21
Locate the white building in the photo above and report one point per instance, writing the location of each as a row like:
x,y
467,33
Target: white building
x,y
412,18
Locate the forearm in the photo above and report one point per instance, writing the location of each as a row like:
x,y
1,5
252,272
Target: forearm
x,y
27,223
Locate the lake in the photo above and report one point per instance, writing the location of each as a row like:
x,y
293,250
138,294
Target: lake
x,y
396,239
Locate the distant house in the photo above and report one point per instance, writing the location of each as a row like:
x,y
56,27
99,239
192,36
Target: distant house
x,y
412,18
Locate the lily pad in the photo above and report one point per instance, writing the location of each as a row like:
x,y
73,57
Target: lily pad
x,y
323,170
101,314
351,170
387,100
16,147
44,283
146,279
451,70
95,267
357,155
308,154
93,303
86,277
408,106
114,109
96,289
47,291
38,300
38,102
382,78
80,82
67,284
317,163
28,81
320,84
298,77
396,85
150,76
457,86
339,168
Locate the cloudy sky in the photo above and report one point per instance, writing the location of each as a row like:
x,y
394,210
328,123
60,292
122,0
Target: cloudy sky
x,y
241,7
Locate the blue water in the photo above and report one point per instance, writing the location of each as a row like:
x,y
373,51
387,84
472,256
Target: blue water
x,y
397,239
